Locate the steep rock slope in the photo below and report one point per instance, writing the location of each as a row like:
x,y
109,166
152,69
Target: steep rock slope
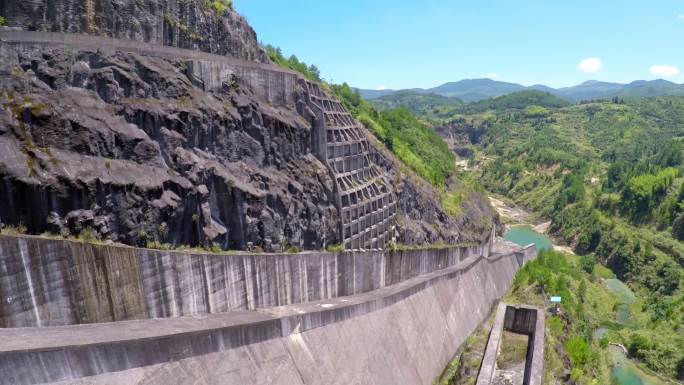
x,y
189,24
130,147
126,145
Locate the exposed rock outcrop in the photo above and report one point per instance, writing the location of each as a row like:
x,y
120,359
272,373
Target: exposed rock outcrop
x,y
147,145
150,157
189,24
421,218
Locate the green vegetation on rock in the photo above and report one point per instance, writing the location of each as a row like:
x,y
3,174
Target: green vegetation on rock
x,y
311,72
219,6
411,140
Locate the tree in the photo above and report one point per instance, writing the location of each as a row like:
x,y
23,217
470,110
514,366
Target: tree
x,y
578,351
587,262
315,72
638,345
678,227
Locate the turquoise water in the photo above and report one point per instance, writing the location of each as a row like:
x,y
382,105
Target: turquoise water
x,y
623,292
600,332
626,373
525,235
625,297
627,376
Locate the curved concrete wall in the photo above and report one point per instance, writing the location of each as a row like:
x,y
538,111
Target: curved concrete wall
x,y
403,334
46,282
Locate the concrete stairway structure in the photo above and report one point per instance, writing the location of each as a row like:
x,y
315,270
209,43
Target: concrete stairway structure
x,y
366,204
518,319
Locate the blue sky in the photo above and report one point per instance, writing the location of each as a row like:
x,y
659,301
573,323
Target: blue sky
x,y
405,44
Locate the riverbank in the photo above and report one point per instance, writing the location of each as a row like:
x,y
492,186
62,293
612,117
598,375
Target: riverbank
x,y
607,301
513,215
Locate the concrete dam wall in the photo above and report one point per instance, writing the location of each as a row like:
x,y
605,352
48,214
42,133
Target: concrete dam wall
x,y
74,312
404,332
54,282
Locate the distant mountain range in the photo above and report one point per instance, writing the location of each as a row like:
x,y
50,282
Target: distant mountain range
x,y
472,90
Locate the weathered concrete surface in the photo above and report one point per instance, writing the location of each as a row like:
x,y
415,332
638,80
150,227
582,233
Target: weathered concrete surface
x,y
404,334
522,320
46,282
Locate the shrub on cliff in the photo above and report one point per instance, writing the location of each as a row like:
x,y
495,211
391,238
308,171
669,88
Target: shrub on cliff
x,y
219,6
415,143
311,72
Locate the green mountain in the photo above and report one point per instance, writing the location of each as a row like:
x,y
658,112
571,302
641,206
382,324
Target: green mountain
x,y
468,90
471,90
416,102
610,176
517,100
434,106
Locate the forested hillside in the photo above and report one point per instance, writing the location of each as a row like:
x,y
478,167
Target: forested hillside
x,y
610,176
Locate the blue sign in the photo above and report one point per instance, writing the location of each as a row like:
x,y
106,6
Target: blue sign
x,y
556,299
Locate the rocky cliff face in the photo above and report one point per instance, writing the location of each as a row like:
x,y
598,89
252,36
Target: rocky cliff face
x,y
130,147
461,135
125,145
421,218
189,24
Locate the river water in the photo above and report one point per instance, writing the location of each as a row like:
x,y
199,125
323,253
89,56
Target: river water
x,y
625,372
524,235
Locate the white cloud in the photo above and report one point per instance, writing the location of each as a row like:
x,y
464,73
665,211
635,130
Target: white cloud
x,y
489,75
381,88
664,70
680,17
590,65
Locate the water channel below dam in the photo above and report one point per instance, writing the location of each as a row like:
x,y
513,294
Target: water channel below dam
x,y
625,371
